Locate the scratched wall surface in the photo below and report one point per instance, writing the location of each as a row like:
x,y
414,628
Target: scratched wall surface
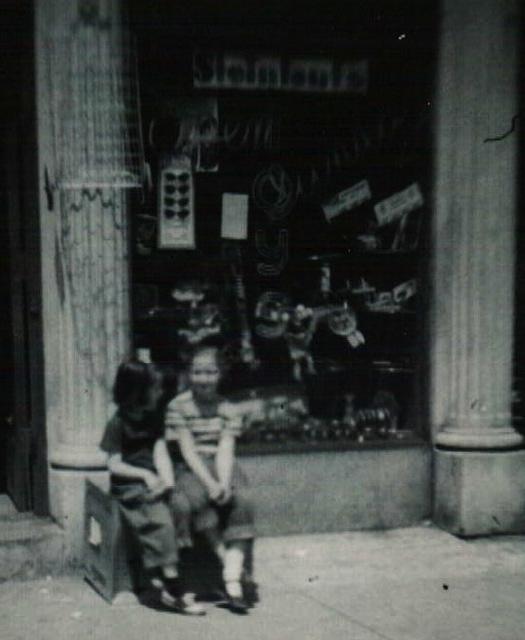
x,y
93,316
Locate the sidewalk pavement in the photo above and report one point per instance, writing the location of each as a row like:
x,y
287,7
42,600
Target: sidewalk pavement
x,y
407,584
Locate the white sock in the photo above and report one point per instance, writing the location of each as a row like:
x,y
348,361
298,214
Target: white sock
x,y
233,588
233,563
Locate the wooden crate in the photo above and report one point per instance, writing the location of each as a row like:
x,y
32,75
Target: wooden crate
x,y
111,562
111,555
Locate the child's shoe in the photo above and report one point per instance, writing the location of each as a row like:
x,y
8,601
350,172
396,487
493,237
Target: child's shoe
x,y
173,597
235,600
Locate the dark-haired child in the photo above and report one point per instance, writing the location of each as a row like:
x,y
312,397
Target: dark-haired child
x,y
142,478
206,426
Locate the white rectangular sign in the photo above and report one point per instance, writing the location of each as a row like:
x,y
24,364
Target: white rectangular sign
x,y
347,199
234,222
176,206
396,206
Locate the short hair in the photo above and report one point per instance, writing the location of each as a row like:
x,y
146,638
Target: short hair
x,y
213,347
132,383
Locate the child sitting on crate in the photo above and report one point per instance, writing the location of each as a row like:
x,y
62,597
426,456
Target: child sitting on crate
x,y
211,487
142,479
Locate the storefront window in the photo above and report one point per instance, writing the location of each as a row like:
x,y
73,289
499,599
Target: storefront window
x,y
287,215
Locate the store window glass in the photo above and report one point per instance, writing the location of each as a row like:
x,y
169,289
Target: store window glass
x,y
287,213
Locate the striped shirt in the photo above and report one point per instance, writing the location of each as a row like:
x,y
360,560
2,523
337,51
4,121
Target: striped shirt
x,y
206,429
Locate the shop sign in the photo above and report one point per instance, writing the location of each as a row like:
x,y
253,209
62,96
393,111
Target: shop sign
x,y
216,70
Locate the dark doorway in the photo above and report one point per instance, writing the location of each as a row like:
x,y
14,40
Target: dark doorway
x,y
6,348
23,467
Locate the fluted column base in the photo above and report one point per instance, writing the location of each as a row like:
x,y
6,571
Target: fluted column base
x,y
479,492
478,439
67,491
67,456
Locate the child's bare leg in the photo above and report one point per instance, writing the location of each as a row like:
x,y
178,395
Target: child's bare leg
x,y
238,537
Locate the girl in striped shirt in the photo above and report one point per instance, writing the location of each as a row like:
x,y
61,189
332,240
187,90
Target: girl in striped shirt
x,y
212,490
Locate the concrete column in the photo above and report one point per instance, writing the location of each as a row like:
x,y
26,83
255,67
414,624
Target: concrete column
x,y
474,256
86,315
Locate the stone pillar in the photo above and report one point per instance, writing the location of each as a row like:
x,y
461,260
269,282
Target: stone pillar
x,y
86,315
473,268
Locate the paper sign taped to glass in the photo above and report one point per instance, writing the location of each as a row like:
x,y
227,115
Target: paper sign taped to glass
x,y
347,200
397,205
234,221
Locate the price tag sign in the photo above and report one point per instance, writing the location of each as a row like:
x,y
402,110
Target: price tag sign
x,y
397,205
347,199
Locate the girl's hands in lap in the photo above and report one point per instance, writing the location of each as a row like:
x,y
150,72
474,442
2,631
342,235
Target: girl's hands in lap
x,y
225,496
216,493
156,486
